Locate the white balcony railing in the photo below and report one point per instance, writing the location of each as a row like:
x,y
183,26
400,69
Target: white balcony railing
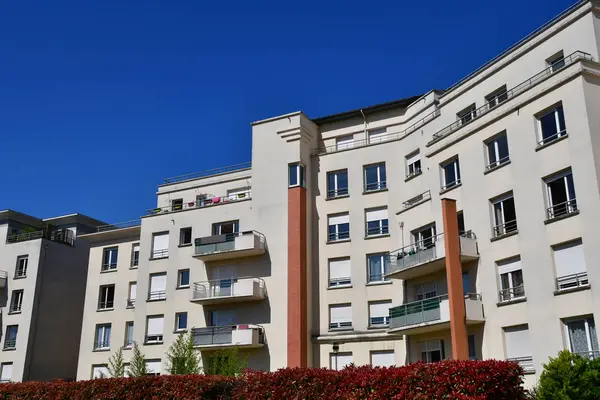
x,y
209,201
525,362
510,294
233,289
560,209
572,281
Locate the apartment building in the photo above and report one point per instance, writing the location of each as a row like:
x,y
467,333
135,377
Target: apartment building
x,y
455,224
42,287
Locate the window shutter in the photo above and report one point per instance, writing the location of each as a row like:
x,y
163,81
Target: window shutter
x,y
339,219
153,367
158,283
156,325
339,269
6,372
344,142
161,242
341,314
383,359
377,135
568,259
413,158
342,360
132,291
136,248
377,215
517,342
380,309
511,265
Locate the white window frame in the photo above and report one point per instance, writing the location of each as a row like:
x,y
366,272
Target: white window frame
x,y
154,367
419,239
4,367
113,258
454,162
591,353
102,370
340,325
103,299
573,279
500,227
179,274
21,268
384,266
334,360
11,343
377,135
381,229
178,320
560,133
159,252
158,293
298,171
467,114
492,99
492,144
333,193
129,326
411,168
131,294
344,142
381,184
102,336
342,281
379,323
570,204
182,231
336,234
430,346
556,62
238,194
135,255
154,337
387,353
16,301
524,360
509,267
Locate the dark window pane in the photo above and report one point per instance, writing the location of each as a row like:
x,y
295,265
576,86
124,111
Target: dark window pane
x,y
293,175
548,123
502,147
342,183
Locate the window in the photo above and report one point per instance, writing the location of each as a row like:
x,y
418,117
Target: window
x,y
128,334
102,338
571,271
135,255
581,337
377,221
160,245
516,340
154,329
379,267
222,317
226,228
497,151
561,195
185,236
339,361
6,371
183,278
511,279
181,321
106,300
384,358
424,237
432,351
16,301
427,290
413,164
296,175
339,272
505,217
109,261
21,269
379,313
153,367
377,135
10,340
158,286
339,227
450,173
176,204
202,200
131,294
551,125
556,62
472,350
467,115
238,194
340,316
375,177
344,142
337,184
100,371
498,96
460,216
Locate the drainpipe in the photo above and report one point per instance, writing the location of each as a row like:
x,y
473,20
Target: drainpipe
x,y
365,122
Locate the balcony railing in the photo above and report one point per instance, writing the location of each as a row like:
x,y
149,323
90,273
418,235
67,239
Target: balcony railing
x,y
210,201
14,308
234,287
106,305
496,164
375,186
384,138
63,235
510,294
130,303
210,172
572,281
335,282
591,354
339,192
157,295
162,253
377,231
552,138
156,338
417,312
415,254
560,209
525,362
340,325
223,246
119,225
108,267
416,200
520,88
504,229
102,344
231,335
10,343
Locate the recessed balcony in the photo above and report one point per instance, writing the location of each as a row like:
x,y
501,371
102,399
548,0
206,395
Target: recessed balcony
x,y
431,315
229,246
233,290
428,256
222,337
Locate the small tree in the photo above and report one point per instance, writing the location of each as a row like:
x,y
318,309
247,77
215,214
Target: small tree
x,y
226,362
116,364
569,376
138,363
182,358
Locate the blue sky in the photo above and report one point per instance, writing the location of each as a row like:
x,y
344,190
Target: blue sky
x,y
102,99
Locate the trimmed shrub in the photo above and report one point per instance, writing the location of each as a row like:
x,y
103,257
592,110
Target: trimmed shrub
x,y
462,380
569,377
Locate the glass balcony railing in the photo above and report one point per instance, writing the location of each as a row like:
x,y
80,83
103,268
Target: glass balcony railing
x,y
228,336
230,245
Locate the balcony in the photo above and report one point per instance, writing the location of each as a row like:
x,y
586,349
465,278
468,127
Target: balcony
x,y
3,279
209,201
230,246
223,291
221,337
64,236
572,282
208,173
428,256
431,315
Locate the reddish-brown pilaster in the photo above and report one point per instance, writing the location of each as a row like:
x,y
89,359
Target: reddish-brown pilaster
x,y
456,298
297,335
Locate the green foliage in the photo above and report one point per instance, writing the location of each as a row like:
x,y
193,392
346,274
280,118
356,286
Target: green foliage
x,y
116,364
570,377
138,363
226,362
182,359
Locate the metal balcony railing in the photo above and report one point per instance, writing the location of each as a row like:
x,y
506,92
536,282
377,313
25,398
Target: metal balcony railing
x,y
21,272
504,228
156,338
339,192
525,362
384,138
119,225
210,200
60,236
572,281
498,163
520,88
376,231
417,312
414,254
552,138
208,173
379,321
560,209
335,282
416,200
335,236
10,343
375,186
162,253
157,295
22,237
224,242
14,308
340,325
101,344
450,185
227,288
109,267
509,294
130,303
106,305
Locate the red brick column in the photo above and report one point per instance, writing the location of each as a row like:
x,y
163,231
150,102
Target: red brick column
x,y
297,335
456,298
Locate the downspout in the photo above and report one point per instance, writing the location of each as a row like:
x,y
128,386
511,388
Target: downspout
x,y
365,123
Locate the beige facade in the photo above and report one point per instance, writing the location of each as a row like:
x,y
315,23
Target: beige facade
x,y
514,144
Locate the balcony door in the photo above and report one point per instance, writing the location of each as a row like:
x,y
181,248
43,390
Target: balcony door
x,y
222,317
222,281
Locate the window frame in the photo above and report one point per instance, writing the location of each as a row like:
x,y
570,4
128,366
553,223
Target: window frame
x,y
386,319
103,298
129,325
157,295
570,206
178,316
512,291
160,253
467,114
385,268
18,267
342,281
110,266
505,227
338,235
158,337
411,168
179,275
336,191
135,255
493,144
455,163
591,353
10,344
343,325
297,171
558,111
556,62
106,339
182,236
16,296
383,225
217,227
497,97
430,348
380,184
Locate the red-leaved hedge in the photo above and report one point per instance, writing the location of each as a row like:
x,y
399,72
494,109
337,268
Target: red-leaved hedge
x,y
463,380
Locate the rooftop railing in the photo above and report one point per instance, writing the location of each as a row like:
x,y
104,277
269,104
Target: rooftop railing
x,y
209,201
380,139
509,94
209,172
62,235
119,225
